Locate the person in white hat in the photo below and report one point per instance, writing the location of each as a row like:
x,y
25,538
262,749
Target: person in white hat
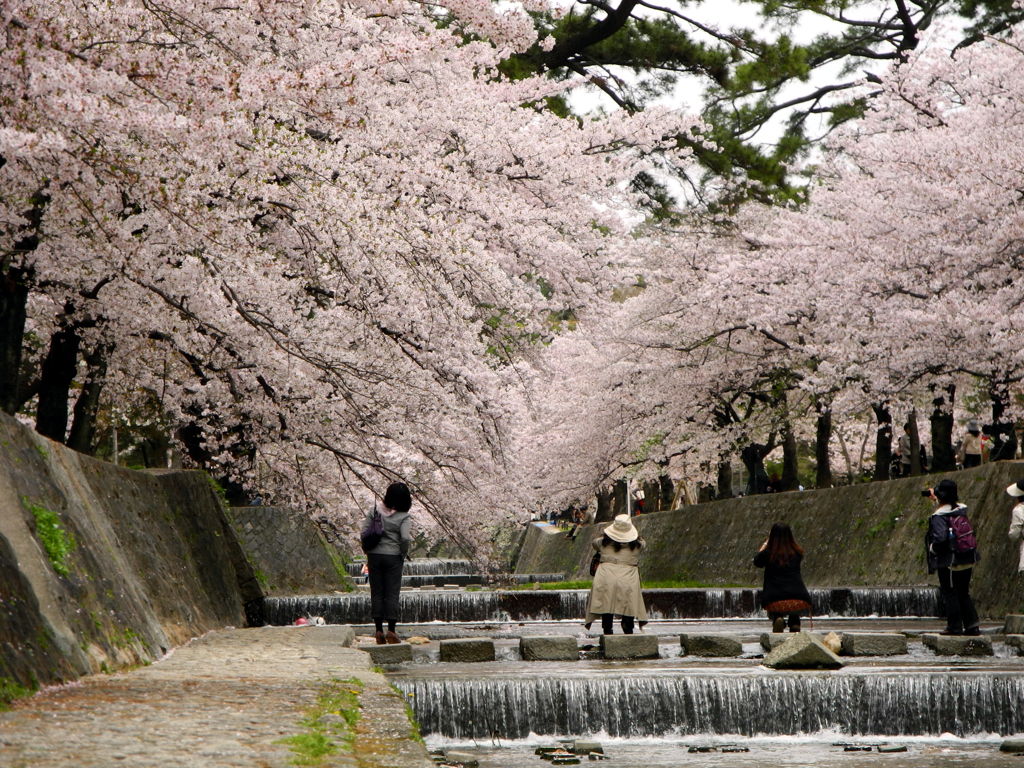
x,y
616,587
1017,522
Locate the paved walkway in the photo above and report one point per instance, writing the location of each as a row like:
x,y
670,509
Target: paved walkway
x,y
226,699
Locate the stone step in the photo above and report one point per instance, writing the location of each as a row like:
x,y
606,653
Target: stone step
x,y
548,648
468,650
388,654
873,644
710,645
958,645
629,646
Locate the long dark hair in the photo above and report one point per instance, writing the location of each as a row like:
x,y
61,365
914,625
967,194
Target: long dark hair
x,y
398,497
782,547
607,541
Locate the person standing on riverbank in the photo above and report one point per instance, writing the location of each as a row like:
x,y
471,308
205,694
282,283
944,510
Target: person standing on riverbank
x,y
1017,523
616,588
384,562
784,593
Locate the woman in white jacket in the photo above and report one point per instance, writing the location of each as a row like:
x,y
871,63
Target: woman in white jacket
x,y
1017,522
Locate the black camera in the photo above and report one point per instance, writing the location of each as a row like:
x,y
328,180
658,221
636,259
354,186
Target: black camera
x,y
927,493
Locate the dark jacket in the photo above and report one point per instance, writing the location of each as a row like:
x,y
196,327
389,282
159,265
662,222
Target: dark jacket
x,y
936,541
781,582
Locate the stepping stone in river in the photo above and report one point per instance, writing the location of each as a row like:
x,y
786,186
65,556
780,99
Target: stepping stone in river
x,y
467,650
772,640
873,644
549,648
1012,745
461,758
1016,641
802,651
710,645
581,747
958,645
1014,624
629,646
388,654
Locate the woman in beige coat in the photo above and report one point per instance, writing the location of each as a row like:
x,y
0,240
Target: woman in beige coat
x,y
616,587
1017,523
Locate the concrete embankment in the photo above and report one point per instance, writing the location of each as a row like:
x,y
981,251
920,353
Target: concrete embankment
x,y
863,535
102,567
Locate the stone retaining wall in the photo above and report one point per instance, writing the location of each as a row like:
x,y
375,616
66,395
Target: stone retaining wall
x,y
103,567
288,553
863,535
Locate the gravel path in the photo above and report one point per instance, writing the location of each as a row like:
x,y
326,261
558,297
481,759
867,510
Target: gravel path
x,y
226,699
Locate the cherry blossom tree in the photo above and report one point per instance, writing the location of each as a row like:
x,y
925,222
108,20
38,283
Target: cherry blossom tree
x,y
318,237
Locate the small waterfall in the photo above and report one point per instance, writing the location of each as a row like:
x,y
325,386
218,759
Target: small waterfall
x,y
557,605
533,578
911,703
422,566
460,580
417,608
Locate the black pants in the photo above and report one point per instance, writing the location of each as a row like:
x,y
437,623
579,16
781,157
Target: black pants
x,y
608,622
960,612
385,573
972,460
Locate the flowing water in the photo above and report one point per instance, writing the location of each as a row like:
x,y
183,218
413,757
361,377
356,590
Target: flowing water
x,y
563,605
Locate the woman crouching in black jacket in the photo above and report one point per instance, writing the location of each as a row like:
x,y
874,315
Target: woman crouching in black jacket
x,y
784,592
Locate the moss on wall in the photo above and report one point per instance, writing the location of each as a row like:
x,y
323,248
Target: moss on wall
x,y
862,535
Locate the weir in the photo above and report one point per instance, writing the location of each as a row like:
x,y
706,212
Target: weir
x,y
422,566
746,703
566,605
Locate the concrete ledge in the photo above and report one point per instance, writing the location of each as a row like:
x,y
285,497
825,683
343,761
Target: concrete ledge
x,y
710,645
468,650
388,654
629,646
873,644
553,648
958,645
1014,624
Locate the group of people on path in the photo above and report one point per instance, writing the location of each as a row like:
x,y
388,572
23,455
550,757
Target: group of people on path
x,y
950,547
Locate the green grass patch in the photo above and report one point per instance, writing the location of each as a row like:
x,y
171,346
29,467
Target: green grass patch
x,y
11,690
325,735
57,542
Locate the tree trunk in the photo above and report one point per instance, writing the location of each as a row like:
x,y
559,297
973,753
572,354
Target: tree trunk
x,y
943,457
620,498
58,371
83,426
668,492
916,465
604,506
822,438
753,459
13,311
883,442
725,479
1004,433
790,462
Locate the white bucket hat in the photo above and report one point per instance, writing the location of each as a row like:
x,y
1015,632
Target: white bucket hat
x,y
1017,489
621,530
